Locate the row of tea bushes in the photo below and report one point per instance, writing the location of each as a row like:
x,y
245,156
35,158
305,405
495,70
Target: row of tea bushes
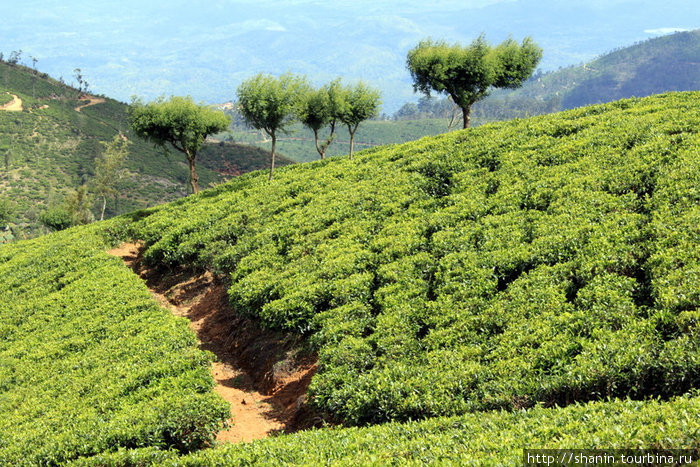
x,y
89,362
496,438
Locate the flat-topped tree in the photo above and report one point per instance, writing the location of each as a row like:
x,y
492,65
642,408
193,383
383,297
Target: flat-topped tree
x,y
270,104
357,103
467,74
318,109
180,122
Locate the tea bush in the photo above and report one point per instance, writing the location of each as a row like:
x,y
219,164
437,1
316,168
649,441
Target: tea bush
x,y
89,362
540,261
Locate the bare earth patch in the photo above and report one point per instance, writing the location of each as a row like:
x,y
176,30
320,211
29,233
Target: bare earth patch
x,y
260,373
15,105
92,100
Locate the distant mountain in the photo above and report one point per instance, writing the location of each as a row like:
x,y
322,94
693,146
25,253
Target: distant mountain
x,y
668,63
50,134
206,49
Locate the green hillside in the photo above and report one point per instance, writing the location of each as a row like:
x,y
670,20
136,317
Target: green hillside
x,y
662,64
48,149
299,144
531,283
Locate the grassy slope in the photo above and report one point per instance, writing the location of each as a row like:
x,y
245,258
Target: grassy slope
x,y
496,438
46,152
538,261
534,264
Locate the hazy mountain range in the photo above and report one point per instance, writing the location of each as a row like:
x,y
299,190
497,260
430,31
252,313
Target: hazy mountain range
x,y
206,49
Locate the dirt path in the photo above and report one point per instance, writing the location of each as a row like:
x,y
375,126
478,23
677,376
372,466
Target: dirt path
x,y
266,393
15,105
91,101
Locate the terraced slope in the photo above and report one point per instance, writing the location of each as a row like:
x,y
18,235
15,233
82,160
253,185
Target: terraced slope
x,y
529,283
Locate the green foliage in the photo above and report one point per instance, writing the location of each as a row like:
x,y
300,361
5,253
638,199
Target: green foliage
x,y
78,206
89,362
270,104
467,74
497,438
56,218
357,103
179,122
7,211
543,261
50,149
320,108
530,283
109,169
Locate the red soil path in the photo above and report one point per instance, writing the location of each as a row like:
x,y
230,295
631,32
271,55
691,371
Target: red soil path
x,y
257,372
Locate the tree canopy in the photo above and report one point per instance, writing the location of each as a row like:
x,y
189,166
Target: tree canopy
x,y
358,103
318,109
180,122
467,74
271,103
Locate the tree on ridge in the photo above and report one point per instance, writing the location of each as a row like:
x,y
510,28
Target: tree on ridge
x,y
180,122
271,104
358,103
318,109
467,74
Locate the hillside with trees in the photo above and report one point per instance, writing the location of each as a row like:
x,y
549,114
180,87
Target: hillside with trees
x,y
52,136
668,63
530,283
663,64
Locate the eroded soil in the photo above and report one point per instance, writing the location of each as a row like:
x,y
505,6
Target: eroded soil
x,y
262,374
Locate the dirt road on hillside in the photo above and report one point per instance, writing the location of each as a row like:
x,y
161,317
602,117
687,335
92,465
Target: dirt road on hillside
x,y
15,105
91,101
266,395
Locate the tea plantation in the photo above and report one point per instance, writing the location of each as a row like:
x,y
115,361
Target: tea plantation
x,y
532,283
89,362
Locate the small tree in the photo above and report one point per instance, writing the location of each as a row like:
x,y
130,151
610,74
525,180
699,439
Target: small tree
x,y
319,109
78,204
79,78
107,169
270,104
357,104
468,73
180,122
56,218
7,211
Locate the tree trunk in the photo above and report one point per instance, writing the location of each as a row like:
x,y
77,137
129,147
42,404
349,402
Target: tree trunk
x,y
194,178
321,150
466,118
352,140
272,154
104,206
